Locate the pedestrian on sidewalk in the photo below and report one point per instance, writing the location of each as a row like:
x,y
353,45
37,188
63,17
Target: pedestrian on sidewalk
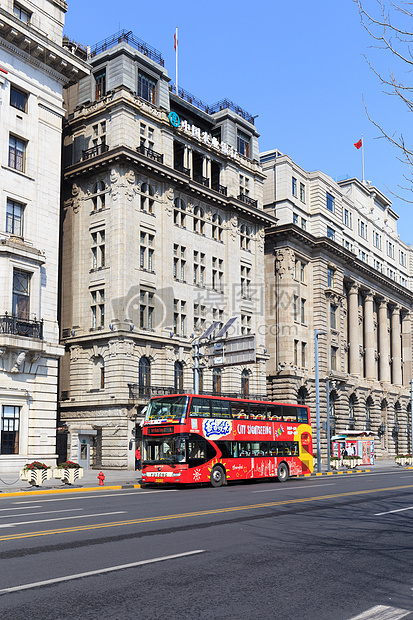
x,y
138,458
343,454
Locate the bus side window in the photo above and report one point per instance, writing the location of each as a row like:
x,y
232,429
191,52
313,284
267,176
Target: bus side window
x,y
274,412
200,408
289,413
220,409
239,410
257,411
302,415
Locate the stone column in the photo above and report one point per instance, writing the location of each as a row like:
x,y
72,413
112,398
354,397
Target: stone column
x,y
396,345
354,333
384,342
406,347
369,336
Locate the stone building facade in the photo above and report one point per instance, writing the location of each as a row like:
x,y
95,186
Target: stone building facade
x,y
163,234
34,67
335,263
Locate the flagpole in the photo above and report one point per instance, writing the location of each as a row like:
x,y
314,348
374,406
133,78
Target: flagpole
x,y
362,156
176,60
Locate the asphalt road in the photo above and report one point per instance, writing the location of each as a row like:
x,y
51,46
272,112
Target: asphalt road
x,y
332,547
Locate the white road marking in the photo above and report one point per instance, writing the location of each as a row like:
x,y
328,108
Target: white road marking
x,y
328,484
98,494
22,508
101,571
382,612
101,514
44,512
389,512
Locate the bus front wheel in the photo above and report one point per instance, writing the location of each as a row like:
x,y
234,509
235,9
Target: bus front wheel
x,y
282,472
217,477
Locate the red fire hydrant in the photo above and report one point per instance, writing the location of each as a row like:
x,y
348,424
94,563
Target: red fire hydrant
x,y
101,477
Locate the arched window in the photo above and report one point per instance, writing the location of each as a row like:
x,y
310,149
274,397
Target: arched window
x,y
245,235
179,212
216,227
351,412
216,380
301,396
147,201
199,223
245,388
144,376
369,404
99,196
179,377
98,373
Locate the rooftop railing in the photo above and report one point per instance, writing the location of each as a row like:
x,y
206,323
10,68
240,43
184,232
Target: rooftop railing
x,y
215,107
127,37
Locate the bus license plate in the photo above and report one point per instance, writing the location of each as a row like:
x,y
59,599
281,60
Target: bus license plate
x,y
158,479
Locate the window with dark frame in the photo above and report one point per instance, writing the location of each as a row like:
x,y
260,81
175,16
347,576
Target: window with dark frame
x,y
18,99
17,153
21,13
21,294
100,84
14,218
243,143
10,422
146,88
330,202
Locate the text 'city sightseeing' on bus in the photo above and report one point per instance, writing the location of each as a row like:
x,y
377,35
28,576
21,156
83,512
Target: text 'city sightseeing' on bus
x,y
197,439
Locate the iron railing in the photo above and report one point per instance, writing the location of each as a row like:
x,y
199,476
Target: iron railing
x,y
94,151
215,107
21,327
180,168
143,150
248,200
137,391
200,179
219,188
128,37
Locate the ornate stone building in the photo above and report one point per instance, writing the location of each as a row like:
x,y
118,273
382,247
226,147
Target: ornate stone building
x,y
335,263
163,234
34,67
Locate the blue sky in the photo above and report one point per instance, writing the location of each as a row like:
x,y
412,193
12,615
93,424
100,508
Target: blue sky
x,y
297,64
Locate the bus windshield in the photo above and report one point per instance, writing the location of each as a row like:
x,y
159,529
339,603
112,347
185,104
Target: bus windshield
x,y
173,408
165,450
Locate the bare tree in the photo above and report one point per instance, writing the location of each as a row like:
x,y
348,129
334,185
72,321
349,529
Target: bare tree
x,y
390,24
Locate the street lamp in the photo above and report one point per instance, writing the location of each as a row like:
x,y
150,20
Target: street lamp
x,y
317,333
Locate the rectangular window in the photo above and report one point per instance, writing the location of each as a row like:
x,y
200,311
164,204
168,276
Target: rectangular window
x,y
100,84
346,217
303,224
303,354
146,254
243,144
302,308
377,240
14,218
179,265
146,310
330,233
18,99
302,192
245,281
302,272
330,202
330,277
296,343
295,308
403,258
21,13
245,323
294,186
334,358
21,294
217,278
97,307
333,322
179,326
17,153
362,229
295,219
98,249
10,421
199,317
146,88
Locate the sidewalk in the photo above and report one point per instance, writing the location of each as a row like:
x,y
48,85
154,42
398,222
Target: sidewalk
x,y
11,483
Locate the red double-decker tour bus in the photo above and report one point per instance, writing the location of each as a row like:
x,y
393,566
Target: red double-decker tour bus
x,y
191,438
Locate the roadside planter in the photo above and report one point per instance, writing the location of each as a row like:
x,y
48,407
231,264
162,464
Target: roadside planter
x,y
334,463
352,461
404,459
35,473
68,472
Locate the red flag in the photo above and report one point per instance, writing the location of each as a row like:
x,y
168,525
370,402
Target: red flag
x,y
358,144
175,41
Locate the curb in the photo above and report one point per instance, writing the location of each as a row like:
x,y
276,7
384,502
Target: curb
x,y
71,490
335,473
